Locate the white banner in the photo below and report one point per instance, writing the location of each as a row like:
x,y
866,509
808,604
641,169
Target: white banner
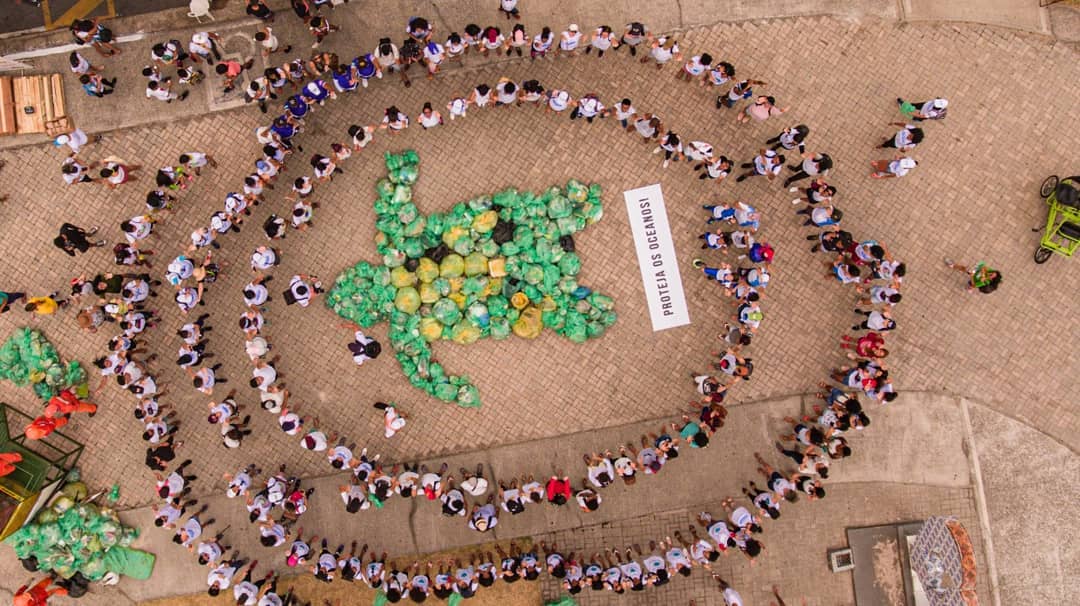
x,y
656,257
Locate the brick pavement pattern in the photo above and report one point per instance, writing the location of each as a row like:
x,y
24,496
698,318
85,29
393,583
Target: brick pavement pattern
x,y
978,174
978,177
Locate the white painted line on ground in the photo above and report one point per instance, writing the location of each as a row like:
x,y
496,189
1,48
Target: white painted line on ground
x,y
67,48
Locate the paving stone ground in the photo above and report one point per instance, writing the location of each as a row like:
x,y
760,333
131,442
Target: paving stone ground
x,y
974,196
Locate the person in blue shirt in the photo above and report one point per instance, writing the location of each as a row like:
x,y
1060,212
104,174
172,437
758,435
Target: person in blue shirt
x,y
366,69
344,78
297,107
283,129
316,92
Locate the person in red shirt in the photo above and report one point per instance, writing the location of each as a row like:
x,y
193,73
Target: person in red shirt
x,y
7,462
65,403
43,426
38,595
870,345
558,489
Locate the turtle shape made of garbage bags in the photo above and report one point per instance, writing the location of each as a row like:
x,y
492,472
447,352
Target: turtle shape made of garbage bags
x,y
489,267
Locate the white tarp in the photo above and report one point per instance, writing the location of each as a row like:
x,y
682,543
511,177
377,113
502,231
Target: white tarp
x,y
656,257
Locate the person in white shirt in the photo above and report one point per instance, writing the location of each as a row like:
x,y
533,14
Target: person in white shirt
x,y
905,139
221,576
570,40
509,8
588,107
602,39
457,106
897,167
75,140
558,100
541,43
428,117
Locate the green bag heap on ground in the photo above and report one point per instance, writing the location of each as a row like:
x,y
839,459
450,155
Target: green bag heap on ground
x,y
488,267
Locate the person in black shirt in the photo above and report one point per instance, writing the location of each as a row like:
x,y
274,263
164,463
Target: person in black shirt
x,y
259,10
73,239
409,53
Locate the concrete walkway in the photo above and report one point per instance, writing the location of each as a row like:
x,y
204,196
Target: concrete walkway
x,y
918,443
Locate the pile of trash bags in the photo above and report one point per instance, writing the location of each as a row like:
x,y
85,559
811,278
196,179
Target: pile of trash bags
x,y
492,266
73,537
27,358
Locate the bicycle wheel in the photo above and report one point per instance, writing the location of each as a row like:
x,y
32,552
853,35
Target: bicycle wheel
x,y
1048,186
1042,255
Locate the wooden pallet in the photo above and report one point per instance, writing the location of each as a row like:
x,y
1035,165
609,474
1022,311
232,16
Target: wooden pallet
x,y
44,97
7,106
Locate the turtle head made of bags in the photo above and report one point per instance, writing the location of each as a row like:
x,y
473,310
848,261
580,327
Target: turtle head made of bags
x,y
488,267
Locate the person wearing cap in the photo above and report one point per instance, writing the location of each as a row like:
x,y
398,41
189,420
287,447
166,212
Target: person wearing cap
x,y
558,100
935,109
458,107
570,40
588,107
179,269
664,49
484,517
393,420
897,167
202,45
75,140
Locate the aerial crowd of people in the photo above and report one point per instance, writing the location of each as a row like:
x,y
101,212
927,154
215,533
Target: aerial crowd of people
x,y
276,501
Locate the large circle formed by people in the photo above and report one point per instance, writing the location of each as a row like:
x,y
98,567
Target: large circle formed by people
x,y
489,267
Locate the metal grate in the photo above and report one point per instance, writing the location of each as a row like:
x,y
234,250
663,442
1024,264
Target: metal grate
x,y
840,560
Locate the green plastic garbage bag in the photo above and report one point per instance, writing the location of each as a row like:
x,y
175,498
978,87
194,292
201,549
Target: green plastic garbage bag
x,y
529,323
488,248
402,194
407,300
576,191
499,328
603,302
465,333
559,207
445,392
431,329
446,312
476,264
468,396
506,198
401,277
452,266
484,222
427,270
570,265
